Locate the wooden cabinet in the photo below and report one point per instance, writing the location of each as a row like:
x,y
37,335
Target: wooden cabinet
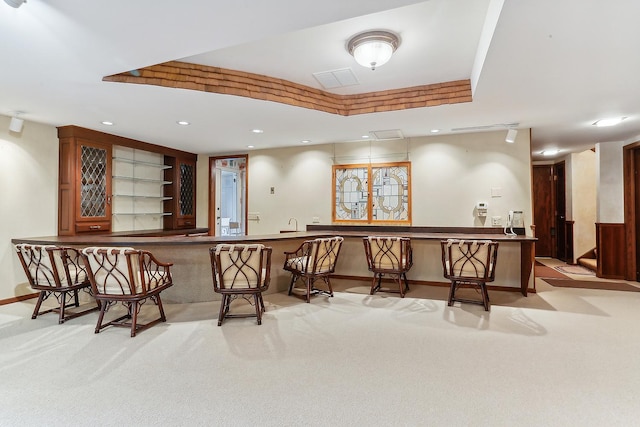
x,y
181,193
85,182
84,187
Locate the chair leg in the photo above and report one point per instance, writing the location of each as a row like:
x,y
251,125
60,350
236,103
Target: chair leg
x,y
406,282
133,311
400,286
256,299
293,281
222,311
38,304
485,297
373,284
328,280
261,302
63,304
76,301
309,289
160,308
103,306
452,293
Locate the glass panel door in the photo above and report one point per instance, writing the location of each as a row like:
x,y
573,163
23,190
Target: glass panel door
x,y
229,175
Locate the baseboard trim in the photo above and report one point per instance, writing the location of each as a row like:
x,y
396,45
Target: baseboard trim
x,y
19,298
426,283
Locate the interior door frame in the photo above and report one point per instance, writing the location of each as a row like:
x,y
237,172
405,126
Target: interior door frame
x,y
629,168
211,214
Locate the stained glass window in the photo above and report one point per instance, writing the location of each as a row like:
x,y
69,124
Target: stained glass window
x,y
372,193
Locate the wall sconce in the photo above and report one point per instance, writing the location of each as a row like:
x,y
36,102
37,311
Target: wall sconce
x,y
373,48
511,136
16,124
15,3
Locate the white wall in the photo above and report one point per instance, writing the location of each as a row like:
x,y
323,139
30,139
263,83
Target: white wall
x,y
450,174
29,189
610,183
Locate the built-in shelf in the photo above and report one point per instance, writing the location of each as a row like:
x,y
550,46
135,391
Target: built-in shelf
x,y
138,196
133,178
143,213
137,162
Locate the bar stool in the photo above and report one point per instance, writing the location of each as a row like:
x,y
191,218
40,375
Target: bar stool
x,y
388,255
469,263
58,271
313,260
240,271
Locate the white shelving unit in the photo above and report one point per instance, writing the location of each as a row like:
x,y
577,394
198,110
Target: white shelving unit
x,y
138,194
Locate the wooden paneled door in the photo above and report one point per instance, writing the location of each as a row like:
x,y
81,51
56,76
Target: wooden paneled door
x,y
544,209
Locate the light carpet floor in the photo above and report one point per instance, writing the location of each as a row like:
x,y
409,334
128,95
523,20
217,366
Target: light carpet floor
x,y
561,357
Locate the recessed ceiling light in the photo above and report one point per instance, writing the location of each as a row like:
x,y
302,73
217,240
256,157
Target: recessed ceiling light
x,y
257,131
365,136
107,123
550,152
250,146
608,122
183,123
305,141
435,130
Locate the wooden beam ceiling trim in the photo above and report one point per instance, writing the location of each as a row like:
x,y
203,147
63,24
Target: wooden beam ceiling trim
x,y
205,78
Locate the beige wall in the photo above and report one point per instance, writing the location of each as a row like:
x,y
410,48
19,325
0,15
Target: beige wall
x,y
450,174
610,184
581,186
29,190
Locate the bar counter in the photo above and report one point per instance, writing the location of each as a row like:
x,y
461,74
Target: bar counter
x,y
192,267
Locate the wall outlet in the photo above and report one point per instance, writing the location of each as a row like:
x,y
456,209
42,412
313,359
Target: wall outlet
x,y
316,220
496,220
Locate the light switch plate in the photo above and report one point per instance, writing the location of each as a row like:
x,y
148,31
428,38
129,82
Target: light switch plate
x,y
496,220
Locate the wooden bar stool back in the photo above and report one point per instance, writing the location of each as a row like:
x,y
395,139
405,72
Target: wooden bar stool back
x,y
469,263
388,255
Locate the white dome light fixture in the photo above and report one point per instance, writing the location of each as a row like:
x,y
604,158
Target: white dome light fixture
x,y
15,3
373,48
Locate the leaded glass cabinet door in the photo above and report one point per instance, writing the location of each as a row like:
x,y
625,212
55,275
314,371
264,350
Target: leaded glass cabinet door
x,y
94,194
186,173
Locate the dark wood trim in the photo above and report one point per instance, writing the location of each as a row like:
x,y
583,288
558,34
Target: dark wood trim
x,y
72,131
19,298
611,244
568,233
629,167
405,228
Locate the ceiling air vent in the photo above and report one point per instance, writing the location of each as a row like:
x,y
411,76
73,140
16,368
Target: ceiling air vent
x,y
388,134
336,78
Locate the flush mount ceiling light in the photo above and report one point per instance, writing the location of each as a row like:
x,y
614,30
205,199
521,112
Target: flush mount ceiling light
x,y
550,152
608,122
15,3
373,48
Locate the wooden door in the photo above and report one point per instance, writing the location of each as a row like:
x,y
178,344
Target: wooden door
x,y
543,209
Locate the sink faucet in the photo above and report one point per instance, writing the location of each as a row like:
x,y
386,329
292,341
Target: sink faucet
x,y
296,221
